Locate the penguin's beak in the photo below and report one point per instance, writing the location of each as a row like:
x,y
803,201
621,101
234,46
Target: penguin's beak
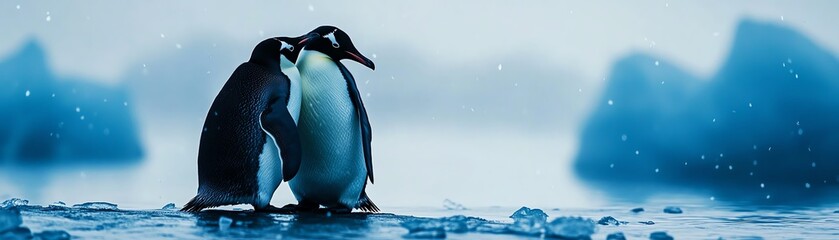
x,y
356,56
304,39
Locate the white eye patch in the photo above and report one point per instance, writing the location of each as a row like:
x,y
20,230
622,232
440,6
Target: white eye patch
x,y
331,37
284,45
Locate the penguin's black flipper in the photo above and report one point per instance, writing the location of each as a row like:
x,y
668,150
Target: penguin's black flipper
x,y
278,122
366,131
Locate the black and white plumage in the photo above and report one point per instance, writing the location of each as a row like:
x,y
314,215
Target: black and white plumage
x,y
334,127
238,158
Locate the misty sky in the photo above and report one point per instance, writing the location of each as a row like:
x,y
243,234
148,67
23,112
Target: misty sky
x,y
477,101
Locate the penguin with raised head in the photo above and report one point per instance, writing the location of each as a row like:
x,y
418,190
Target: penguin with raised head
x,y
334,129
250,142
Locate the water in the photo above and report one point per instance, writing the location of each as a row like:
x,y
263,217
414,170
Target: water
x,y
696,222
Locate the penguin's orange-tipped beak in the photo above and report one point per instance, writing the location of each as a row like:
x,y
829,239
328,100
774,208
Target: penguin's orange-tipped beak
x,y
356,56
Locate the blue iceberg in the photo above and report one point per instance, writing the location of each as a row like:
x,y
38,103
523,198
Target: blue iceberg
x,y
52,118
763,125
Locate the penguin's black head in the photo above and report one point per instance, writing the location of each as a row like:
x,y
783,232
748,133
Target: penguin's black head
x,y
269,52
336,44
294,46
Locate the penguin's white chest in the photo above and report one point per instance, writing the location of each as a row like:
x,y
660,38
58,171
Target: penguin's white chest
x,y
295,94
332,171
270,174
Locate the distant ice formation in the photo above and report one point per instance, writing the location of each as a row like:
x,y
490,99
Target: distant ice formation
x,y
50,118
768,115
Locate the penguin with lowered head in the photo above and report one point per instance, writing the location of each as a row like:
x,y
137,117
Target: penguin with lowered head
x,y
250,141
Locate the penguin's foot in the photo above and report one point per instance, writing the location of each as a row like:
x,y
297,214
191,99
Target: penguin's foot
x,y
303,206
334,210
272,209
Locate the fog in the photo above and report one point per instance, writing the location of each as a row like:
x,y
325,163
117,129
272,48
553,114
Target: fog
x,y
481,102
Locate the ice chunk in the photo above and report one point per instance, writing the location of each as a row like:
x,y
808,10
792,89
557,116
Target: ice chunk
x,y
672,210
16,233
637,210
660,236
528,221
451,205
616,236
53,235
170,206
424,229
461,224
224,223
647,222
570,228
609,220
13,202
96,206
57,205
9,218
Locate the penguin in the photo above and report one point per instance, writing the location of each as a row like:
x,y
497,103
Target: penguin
x,y
334,128
250,141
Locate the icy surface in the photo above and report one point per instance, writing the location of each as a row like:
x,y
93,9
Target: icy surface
x,y
570,228
9,219
727,222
